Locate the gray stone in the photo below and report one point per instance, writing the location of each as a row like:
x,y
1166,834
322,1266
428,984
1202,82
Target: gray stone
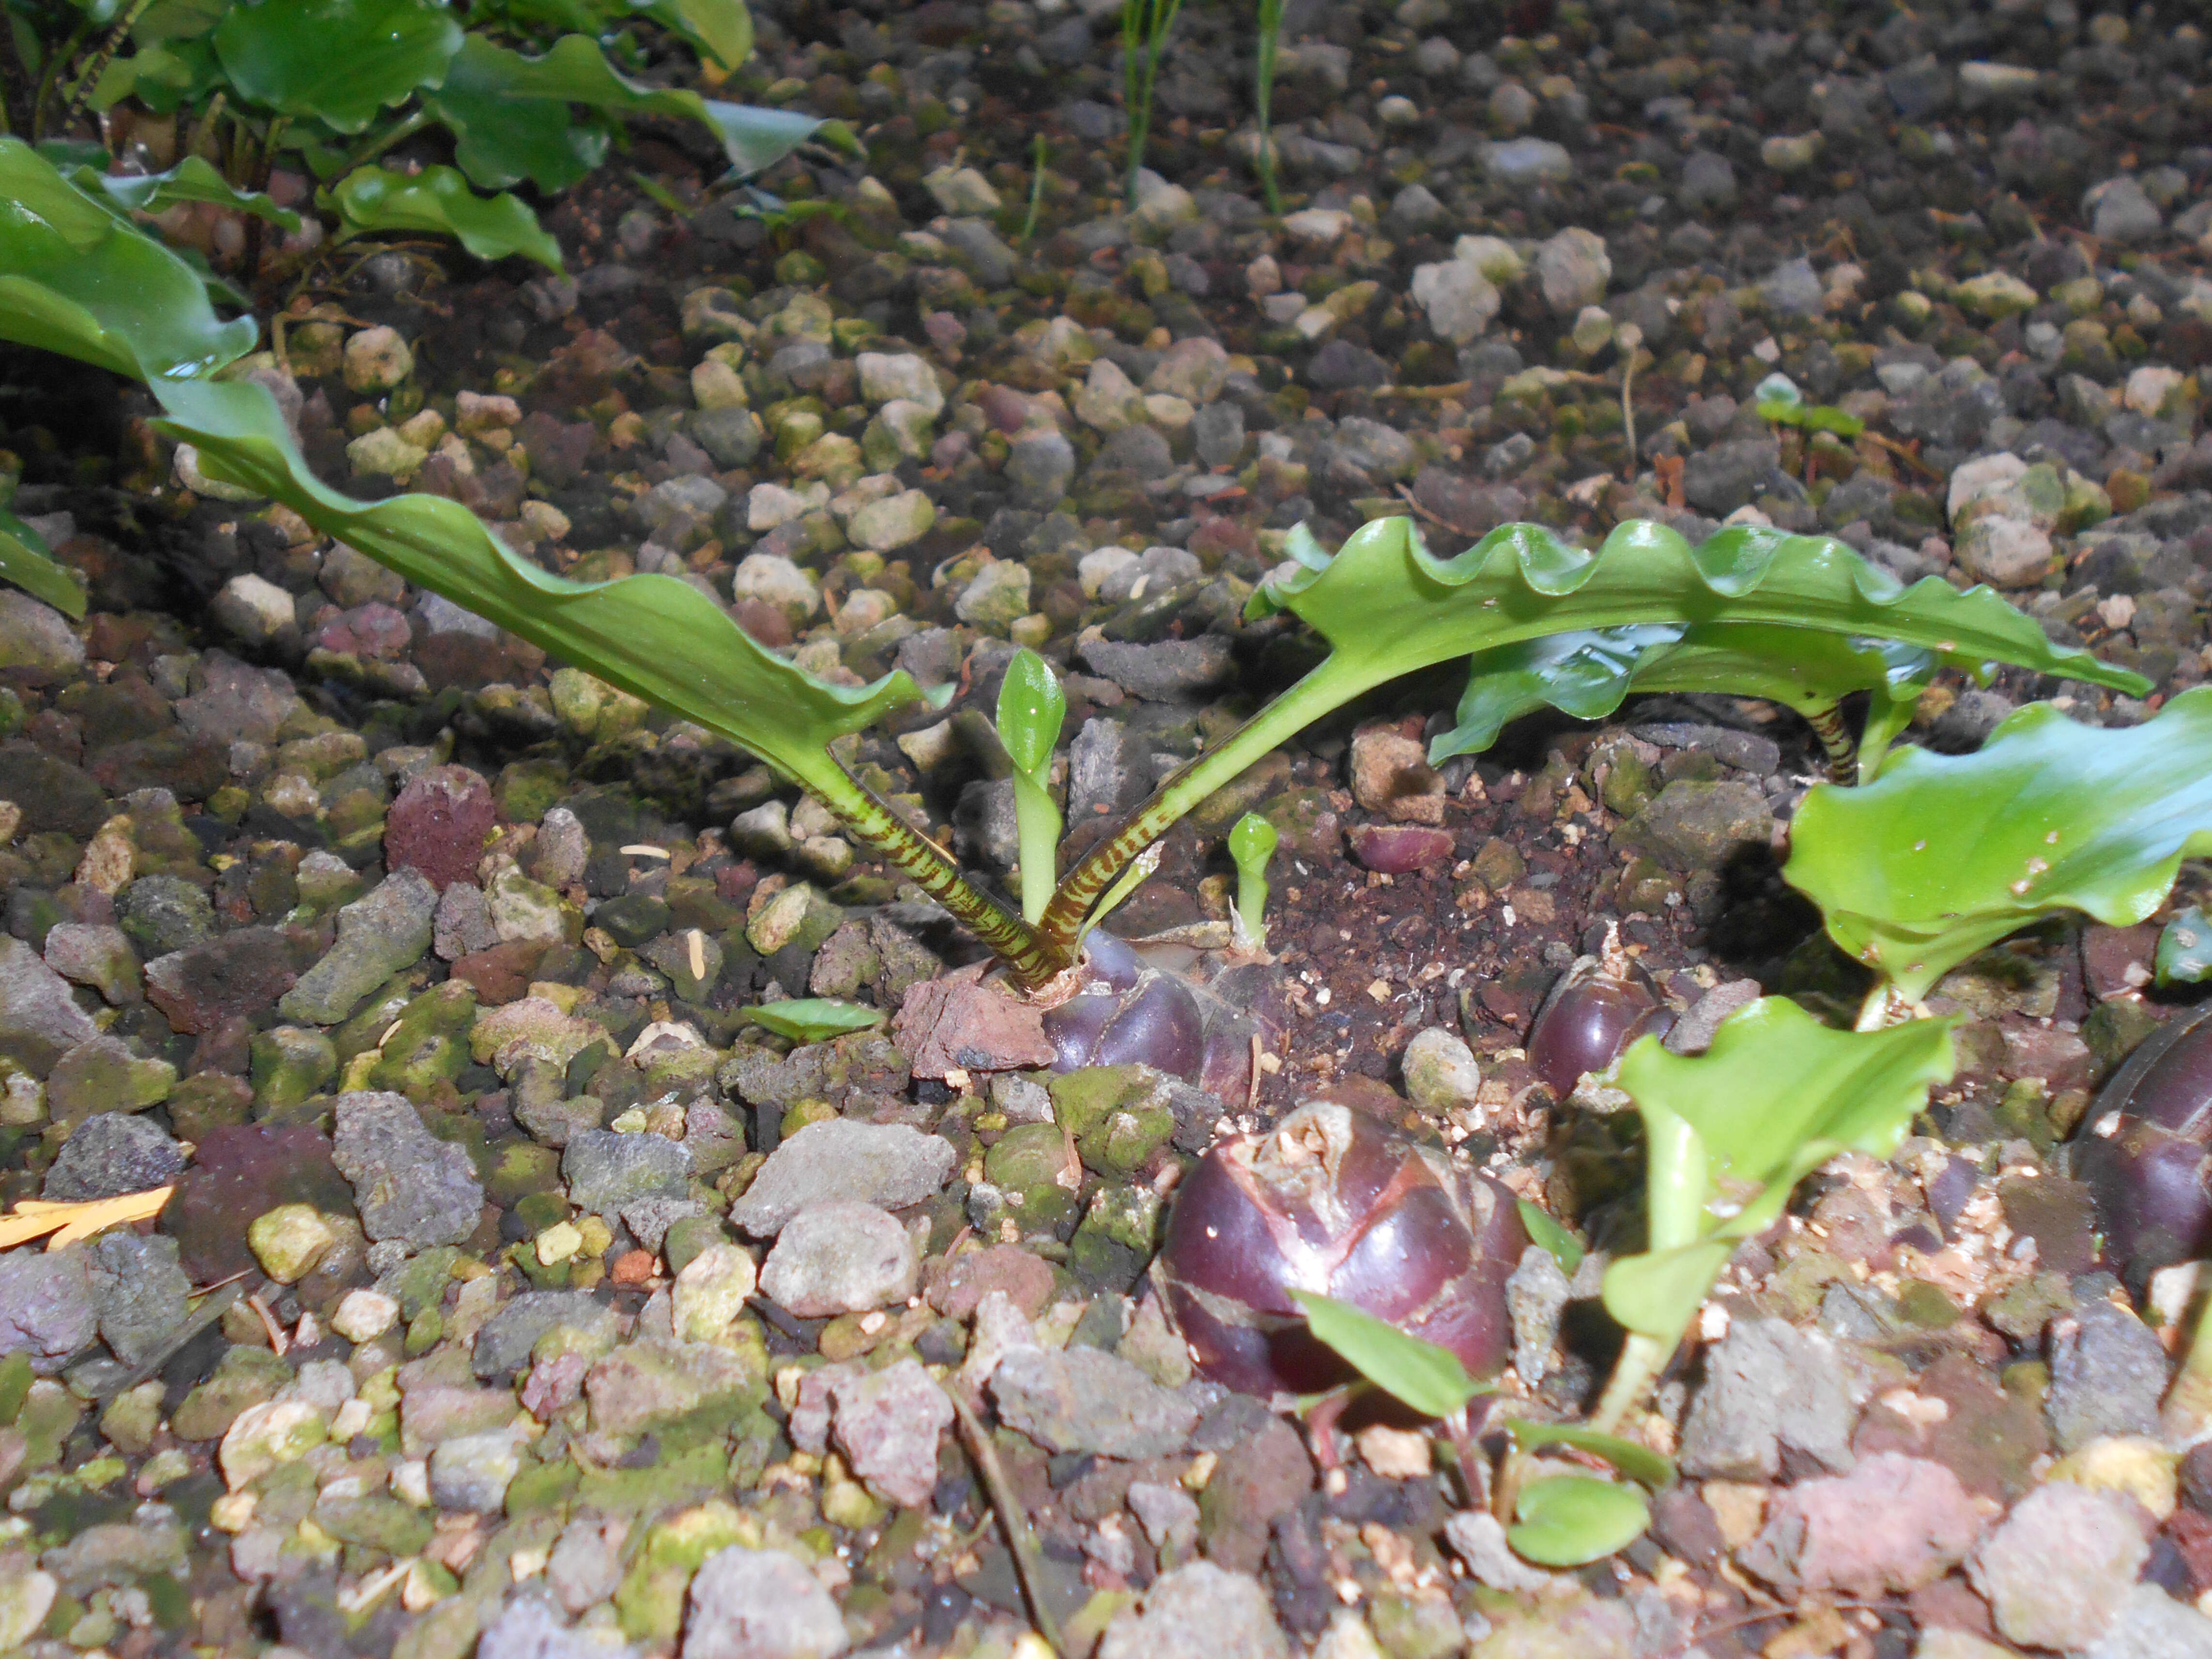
x,y
36,639
890,1165
1694,825
1108,767
1719,479
2152,1625
47,1309
1537,1294
111,1153
1218,432
760,1604
1460,300
529,1628
408,1185
1197,1611
1708,181
1165,672
1793,289
1573,269
1526,161
503,1345
605,1171
2121,212
1083,1400
2059,1572
39,1021
731,437
1039,465
586,1566
1951,408
2108,1373
1768,1387
473,1471
1382,452
139,1291
840,1258
89,953
385,930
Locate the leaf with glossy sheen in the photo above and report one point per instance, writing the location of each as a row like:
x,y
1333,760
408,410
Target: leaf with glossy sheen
x,y
27,562
192,180
1943,855
511,114
77,277
1428,1378
1632,1457
1389,607
438,200
1730,1132
650,635
340,61
1572,1519
723,29
1564,1248
813,1020
2185,949
1031,707
1587,674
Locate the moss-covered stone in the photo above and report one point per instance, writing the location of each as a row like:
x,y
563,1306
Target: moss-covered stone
x,y
429,1043
289,1064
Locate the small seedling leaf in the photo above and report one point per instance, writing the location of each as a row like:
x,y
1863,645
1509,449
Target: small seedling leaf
x,y
1428,1378
1632,1457
1031,707
2185,949
1731,1132
1572,1519
1564,1248
1252,842
813,1020
27,562
1943,855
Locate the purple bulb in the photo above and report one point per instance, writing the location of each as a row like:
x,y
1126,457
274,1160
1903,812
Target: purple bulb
x,y
2145,1152
1590,1017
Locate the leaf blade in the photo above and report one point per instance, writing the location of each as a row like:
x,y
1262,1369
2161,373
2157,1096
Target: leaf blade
x,y
340,61
1572,1519
27,562
1429,1378
1943,855
439,199
813,1020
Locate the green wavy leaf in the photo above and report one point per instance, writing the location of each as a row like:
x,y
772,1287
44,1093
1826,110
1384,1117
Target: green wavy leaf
x,y
1388,607
1588,673
1730,1132
1944,854
192,180
511,114
438,200
27,562
650,635
340,61
77,277
722,29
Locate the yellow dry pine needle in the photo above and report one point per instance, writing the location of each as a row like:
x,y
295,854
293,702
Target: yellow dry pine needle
x,y
68,1223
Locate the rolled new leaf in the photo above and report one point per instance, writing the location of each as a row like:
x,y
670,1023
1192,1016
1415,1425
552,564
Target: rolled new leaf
x,y
1943,855
1031,707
